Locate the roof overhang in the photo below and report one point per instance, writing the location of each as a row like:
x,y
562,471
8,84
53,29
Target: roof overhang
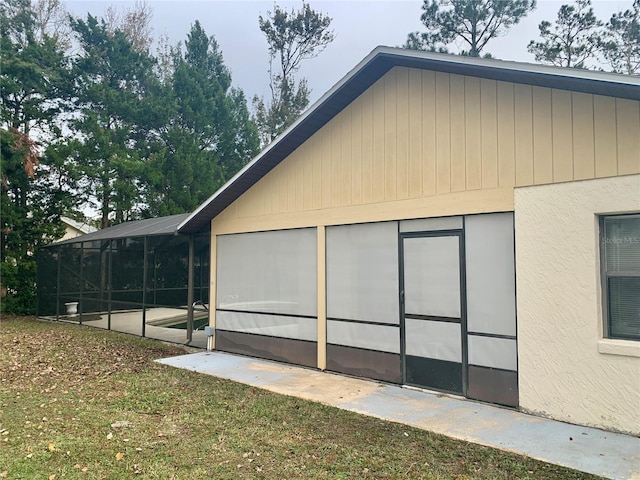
x,y
138,228
372,68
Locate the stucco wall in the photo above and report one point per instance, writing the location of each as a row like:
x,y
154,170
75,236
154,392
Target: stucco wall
x,y
567,370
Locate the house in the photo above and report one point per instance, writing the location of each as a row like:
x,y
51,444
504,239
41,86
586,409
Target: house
x,y
464,225
74,228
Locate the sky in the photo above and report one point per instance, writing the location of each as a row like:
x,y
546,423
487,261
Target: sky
x,y
359,26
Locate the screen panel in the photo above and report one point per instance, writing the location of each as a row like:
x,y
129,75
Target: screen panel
x,y
493,352
372,337
70,280
95,276
432,276
271,272
490,269
297,328
362,272
47,278
439,340
431,224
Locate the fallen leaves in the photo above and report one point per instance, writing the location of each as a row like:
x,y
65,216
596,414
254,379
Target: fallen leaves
x,y
201,428
121,424
54,377
44,360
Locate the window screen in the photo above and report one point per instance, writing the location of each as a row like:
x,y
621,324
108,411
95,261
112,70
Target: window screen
x,y
432,276
362,272
621,275
489,261
268,272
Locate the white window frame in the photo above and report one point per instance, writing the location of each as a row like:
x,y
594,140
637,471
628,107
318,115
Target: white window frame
x,y
605,279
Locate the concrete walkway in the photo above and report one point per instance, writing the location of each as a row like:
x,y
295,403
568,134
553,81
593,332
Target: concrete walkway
x,y
590,450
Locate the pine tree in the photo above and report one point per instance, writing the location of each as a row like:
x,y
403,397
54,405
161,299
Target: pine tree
x,y
292,37
473,23
572,41
35,184
120,111
621,42
210,135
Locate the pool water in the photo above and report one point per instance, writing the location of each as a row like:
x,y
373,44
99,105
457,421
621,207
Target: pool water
x,y
198,323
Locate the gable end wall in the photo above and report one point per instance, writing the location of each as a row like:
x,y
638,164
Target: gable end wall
x,y
419,143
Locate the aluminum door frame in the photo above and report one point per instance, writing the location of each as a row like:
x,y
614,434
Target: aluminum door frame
x,y
463,299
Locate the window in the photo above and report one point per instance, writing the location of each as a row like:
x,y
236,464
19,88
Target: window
x,y
620,254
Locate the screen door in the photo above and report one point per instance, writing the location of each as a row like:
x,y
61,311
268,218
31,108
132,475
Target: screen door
x,y
431,310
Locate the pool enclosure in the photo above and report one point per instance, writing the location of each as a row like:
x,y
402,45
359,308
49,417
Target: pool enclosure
x,y
137,277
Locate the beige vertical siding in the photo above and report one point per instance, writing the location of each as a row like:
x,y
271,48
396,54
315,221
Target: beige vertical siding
x,y
390,158
605,132
378,166
443,133
402,134
542,136
456,133
473,134
505,114
414,138
582,136
428,138
628,126
562,136
366,142
523,130
489,133
418,135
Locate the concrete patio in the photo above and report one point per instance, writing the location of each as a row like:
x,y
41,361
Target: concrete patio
x,y
608,454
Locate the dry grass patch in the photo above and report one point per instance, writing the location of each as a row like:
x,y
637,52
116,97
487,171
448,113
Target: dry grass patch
x,y
82,403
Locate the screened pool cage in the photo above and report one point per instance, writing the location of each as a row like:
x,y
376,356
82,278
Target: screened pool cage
x,y
137,277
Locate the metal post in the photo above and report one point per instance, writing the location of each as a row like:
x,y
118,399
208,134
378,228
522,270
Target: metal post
x,y
104,252
81,306
59,249
109,284
190,287
144,287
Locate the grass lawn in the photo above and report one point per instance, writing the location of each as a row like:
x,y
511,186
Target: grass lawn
x,y
82,403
